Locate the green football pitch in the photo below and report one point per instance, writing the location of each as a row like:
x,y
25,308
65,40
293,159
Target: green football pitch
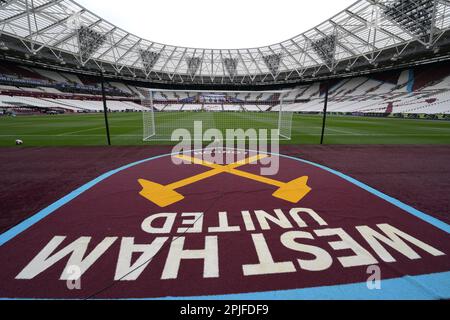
x,y
126,129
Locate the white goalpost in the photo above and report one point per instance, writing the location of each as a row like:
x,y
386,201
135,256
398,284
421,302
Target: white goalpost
x,y
168,110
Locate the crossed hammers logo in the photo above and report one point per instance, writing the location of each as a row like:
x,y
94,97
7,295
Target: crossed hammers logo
x,y
164,196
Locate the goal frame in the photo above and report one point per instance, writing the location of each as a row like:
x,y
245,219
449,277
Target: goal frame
x,y
149,120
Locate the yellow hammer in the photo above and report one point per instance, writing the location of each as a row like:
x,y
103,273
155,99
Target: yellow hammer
x,y
164,196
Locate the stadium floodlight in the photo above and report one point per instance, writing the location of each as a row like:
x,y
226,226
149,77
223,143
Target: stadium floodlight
x,y
149,59
169,110
325,48
89,41
193,65
273,62
231,66
416,16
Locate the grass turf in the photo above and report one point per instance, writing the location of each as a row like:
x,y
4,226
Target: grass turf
x,y
126,128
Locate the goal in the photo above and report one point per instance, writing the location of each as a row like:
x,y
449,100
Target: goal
x,y
168,110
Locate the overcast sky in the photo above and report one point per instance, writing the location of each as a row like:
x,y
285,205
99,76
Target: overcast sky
x,y
216,24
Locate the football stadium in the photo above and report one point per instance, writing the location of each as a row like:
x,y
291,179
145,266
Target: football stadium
x,y
316,168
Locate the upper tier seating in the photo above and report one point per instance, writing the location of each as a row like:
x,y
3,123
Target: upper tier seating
x,y
424,89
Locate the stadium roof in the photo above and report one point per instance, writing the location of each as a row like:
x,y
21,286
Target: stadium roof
x,y
369,34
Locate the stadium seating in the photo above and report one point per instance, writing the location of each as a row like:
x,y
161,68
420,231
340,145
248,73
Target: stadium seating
x,y
192,107
172,107
232,108
250,107
412,91
51,75
213,107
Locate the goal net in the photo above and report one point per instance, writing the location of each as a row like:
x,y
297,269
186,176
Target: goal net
x,y
169,110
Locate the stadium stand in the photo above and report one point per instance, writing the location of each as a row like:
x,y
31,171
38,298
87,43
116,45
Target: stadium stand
x,y
411,91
